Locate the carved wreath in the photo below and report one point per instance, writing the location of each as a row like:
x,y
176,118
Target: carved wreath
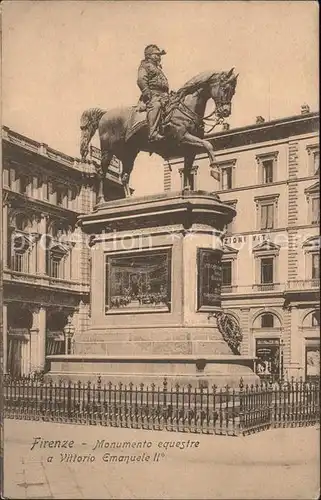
x,y
230,331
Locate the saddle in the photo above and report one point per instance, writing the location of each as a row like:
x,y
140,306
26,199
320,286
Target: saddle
x,y
136,121
138,115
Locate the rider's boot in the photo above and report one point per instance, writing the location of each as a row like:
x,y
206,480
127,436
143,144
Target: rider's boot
x,y
153,118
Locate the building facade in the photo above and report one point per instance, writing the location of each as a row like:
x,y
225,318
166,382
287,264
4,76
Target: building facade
x,y
46,268
270,264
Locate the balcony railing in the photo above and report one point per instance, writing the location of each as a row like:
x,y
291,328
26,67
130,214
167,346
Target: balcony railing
x,y
229,289
115,164
45,280
303,284
265,287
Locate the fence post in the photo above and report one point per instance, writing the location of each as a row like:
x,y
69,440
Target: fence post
x,y
270,398
241,410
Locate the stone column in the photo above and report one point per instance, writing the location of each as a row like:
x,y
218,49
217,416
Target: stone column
x,y
41,245
38,339
5,337
25,357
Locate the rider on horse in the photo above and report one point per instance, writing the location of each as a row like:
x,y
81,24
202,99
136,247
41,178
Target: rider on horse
x,y
154,87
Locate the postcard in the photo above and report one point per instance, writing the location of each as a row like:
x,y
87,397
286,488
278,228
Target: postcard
x,y
160,250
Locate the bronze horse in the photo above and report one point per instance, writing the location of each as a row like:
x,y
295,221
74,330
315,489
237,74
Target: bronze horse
x,y
184,130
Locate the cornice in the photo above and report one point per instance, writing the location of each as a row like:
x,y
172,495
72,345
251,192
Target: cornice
x,y
21,201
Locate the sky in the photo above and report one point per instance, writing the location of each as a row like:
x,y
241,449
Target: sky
x,y
62,57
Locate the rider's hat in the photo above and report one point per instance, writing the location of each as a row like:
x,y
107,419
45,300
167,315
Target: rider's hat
x,y
153,49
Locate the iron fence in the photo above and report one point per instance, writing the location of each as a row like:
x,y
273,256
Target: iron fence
x,y
207,410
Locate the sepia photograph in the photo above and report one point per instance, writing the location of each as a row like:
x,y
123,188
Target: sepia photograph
x,y
160,250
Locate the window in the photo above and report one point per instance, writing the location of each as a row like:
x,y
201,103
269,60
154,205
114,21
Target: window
x,y
315,318
226,168
12,177
55,260
268,363
227,273
267,216
24,181
6,177
266,209
22,223
35,186
267,270
316,162
46,189
229,228
60,196
314,159
267,321
315,266
315,205
55,265
20,245
192,177
313,199
226,175
267,166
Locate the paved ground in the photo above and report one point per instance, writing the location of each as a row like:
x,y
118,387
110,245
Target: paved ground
x,y
276,464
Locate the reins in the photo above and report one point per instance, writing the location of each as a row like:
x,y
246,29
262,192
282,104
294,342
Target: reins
x,y
198,121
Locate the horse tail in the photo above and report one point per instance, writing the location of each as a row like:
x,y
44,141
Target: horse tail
x,y
89,122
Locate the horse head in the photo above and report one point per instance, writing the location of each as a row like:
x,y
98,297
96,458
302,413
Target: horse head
x,y
88,125
221,89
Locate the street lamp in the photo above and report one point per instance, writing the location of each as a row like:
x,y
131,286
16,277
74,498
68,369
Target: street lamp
x,y
69,331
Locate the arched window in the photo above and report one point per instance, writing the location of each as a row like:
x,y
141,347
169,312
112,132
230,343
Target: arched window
x,y
20,243
267,320
22,223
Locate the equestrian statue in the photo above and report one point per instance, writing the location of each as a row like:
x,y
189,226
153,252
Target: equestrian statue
x,y
162,122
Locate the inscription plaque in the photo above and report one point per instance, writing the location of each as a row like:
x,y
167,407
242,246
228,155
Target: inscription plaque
x,y
209,278
139,282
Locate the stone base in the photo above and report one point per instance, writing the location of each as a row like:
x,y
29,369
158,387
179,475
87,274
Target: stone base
x,y
220,370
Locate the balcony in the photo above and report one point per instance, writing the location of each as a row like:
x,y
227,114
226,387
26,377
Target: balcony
x,y
303,284
115,165
266,287
229,289
44,280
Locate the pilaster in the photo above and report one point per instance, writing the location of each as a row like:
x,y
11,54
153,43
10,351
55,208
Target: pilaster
x,y
38,339
245,328
287,338
293,168
5,337
41,245
5,235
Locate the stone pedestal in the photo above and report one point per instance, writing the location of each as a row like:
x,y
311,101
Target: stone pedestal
x,y
155,284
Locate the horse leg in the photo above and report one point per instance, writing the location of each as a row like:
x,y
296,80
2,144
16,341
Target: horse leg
x,y
192,140
188,164
128,164
105,162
